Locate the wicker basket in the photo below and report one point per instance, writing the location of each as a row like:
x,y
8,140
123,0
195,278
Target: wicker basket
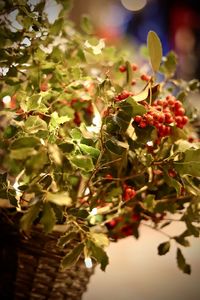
x,y
30,267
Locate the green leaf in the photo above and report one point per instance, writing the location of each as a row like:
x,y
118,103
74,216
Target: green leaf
x,y
138,109
30,216
149,202
79,213
182,241
142,95
100,239
25,142
169,64
76,134
66,147
64,239
60,198
182,263
22,154
57,26
129,73
86,24
155,50
98,253
33,124
114,148
82,162
163,248
190,164
71,258
94,152
56,121
48,218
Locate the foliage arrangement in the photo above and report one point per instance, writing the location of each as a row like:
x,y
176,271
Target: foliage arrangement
x,y
90,139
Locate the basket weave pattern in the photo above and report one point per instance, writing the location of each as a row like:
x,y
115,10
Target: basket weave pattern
x,y
31,269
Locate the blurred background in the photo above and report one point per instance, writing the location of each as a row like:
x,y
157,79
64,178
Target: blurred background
x,y
135,271
176,22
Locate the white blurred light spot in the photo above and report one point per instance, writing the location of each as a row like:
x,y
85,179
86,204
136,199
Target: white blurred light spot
x,y
6,99
134,5
87,191
88,262
150,143
42,142
93,211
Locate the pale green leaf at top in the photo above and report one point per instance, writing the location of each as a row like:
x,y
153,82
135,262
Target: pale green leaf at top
x,y
155,50
142,95
60,198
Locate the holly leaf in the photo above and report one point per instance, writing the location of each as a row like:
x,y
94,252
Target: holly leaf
x,y
182,263
82,162
89,150
33,124
48,218
25,142
30,216
60,198
71,258
138,109
155,50
163,248
98,253
190,164
63,240
182,241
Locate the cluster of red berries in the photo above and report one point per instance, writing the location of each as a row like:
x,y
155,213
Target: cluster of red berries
x,y
129,193
163,114
123,95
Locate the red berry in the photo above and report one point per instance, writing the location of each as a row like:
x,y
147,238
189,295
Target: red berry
x,y
180,111
77,119
122,69
145,77
177,104
142,124
133,82
138,119
161,118
109,176
149,119
134,67
129,193
184,120
171,173
168,118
